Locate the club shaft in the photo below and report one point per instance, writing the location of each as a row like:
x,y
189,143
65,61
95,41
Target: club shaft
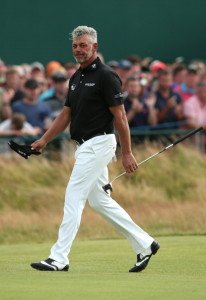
x,y
166,148
142,162
118,176
145,160
188,135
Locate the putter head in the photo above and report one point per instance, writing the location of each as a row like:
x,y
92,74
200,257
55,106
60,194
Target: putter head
x,y
107,187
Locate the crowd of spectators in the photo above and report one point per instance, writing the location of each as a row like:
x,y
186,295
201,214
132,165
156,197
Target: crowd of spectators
x,y
157,94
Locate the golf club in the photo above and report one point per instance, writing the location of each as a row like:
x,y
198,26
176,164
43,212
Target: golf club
x,y
108,186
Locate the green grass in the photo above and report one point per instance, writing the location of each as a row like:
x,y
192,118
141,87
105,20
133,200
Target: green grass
x,y
99,271
168,189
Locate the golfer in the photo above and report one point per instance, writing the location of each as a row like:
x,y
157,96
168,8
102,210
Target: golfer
x,y
93,107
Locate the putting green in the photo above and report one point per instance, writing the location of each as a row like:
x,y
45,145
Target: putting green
x,y
99,271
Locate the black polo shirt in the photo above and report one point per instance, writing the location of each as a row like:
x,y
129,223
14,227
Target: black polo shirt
x,y
92,91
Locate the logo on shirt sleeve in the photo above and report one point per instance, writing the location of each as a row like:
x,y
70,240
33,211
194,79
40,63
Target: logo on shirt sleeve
x,y
120,95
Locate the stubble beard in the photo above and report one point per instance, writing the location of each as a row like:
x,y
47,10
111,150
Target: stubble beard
x,y
84,59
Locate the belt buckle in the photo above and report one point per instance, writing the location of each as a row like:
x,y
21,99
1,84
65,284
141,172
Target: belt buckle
x,y
78,144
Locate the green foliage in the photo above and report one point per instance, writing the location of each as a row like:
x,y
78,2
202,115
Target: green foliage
x,y
31,185
163,196
176,173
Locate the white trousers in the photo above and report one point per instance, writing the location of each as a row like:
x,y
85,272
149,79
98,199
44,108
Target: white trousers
x,y
89,174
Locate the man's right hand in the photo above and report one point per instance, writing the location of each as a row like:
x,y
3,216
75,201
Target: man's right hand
x,y
129,163
39,145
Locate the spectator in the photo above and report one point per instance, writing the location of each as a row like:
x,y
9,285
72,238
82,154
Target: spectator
x,y
37,69
179,75
168,103
124,70
57,100
52,67
145,79
13,84
43,84
38,73
138,112
37,113
25,71
145,63
17,126
188,88
157,66
114,65
3,69
195,107
136,65
201,68
70,68
5,107
134,59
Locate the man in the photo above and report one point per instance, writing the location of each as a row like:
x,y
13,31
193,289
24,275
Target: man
x,y
188,88
168,103
179,75
56,101
138,112
124,70
14,84
36,113
70,68
93,103
195,107
17,126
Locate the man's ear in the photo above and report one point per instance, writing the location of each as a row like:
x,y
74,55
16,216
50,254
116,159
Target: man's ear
x,y
95,46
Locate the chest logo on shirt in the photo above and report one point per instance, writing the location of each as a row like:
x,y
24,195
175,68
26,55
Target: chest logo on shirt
x,y
73,87
89,84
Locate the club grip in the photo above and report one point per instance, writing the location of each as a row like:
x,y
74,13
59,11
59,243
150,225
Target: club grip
x,y
187,135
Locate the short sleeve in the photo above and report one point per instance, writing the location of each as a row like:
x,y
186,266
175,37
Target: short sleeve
x,y
112,89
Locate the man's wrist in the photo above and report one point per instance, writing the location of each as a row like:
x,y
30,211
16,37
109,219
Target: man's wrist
x,y
44,139
127,152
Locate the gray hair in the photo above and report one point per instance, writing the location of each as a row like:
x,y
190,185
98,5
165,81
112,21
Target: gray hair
x,y
82,30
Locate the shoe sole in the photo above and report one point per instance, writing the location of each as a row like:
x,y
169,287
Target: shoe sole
x,y
154,248
40,267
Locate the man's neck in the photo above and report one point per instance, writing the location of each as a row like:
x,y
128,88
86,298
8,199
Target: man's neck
x,y
164,91
30,101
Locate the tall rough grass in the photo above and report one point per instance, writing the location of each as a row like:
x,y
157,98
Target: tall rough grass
x,y
165,196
